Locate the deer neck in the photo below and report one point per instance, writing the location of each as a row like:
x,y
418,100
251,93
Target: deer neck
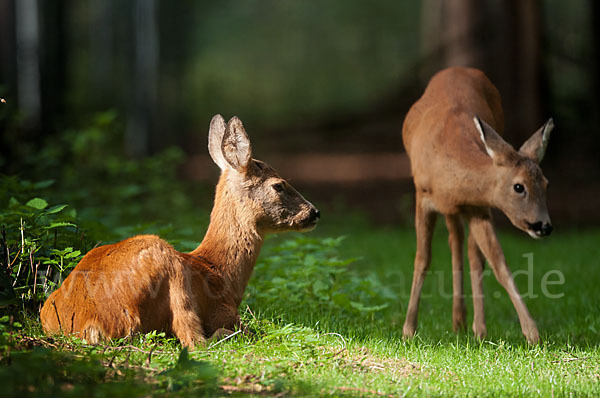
x,y
232,241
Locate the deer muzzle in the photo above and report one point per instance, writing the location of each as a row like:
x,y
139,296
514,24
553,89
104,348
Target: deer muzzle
x,y
539,229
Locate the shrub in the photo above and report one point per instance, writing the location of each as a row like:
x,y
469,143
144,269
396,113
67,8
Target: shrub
x,y
94,173
307,272
40,243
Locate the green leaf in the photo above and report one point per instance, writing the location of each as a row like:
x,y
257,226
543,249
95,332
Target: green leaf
x,y
184,358
309,260
278,281
55,209
60,224
362,308
37,203
13,202
42,184
340,299
76,253
319,287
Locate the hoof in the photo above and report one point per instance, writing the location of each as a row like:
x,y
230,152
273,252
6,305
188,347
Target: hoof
x,y
221,333
532,336
459,325
480,332
408,332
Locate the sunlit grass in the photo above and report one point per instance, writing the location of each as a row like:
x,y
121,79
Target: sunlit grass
x,y
306,351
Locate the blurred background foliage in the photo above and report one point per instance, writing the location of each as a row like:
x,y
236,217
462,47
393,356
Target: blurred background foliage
x,y
95,87
273,63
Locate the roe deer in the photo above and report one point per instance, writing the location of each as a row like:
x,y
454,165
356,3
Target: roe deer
x,y
143,284
461,168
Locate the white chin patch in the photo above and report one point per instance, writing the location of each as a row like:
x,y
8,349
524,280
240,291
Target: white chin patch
x,y
533,234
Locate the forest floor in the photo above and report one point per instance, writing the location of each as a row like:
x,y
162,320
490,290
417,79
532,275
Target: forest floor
x,y
309,348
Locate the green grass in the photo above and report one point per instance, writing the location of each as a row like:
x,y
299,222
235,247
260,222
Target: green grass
x,y
311,349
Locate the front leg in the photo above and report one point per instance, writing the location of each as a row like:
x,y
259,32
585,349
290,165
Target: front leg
x,y
221,333
224,332
224,321
185,323
485,236
455,241
476,262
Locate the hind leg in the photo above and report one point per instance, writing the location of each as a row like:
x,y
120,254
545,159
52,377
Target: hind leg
x,y
424,224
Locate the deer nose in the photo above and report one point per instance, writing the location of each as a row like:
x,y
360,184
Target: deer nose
x,y
540,228
315,213
547,229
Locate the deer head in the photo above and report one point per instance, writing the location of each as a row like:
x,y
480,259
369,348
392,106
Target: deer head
x,y
519,188
260,196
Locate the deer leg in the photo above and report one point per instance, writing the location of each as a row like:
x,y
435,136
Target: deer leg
x,y
424,223
224,332
187,327
224,320
476,262
455,241
221,333
485,236
185,323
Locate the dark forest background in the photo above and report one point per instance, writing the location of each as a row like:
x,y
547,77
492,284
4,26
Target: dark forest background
x,y
322,87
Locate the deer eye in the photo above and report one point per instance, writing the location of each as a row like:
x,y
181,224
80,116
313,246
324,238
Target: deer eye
x,y
519,188
278,187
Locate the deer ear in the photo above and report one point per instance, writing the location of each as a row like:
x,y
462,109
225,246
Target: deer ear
x,y
498,149
215,137
535,146
235,145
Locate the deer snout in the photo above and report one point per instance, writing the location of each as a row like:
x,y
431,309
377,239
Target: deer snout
x,y
311,219
547,229
540,229
315,214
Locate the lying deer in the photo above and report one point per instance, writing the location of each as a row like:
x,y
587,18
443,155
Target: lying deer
x,y
143,284
461,168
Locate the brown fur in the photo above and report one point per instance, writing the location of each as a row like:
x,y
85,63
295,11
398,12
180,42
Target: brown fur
x,y
461,172
143,284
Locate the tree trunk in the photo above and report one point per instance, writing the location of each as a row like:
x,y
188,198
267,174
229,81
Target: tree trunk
x,y
28,65
101,49
500,38
53,64
595,65
8,56
145,75
523,102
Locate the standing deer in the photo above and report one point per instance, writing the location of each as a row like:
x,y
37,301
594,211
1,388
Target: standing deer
x,y
143,284
461,168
